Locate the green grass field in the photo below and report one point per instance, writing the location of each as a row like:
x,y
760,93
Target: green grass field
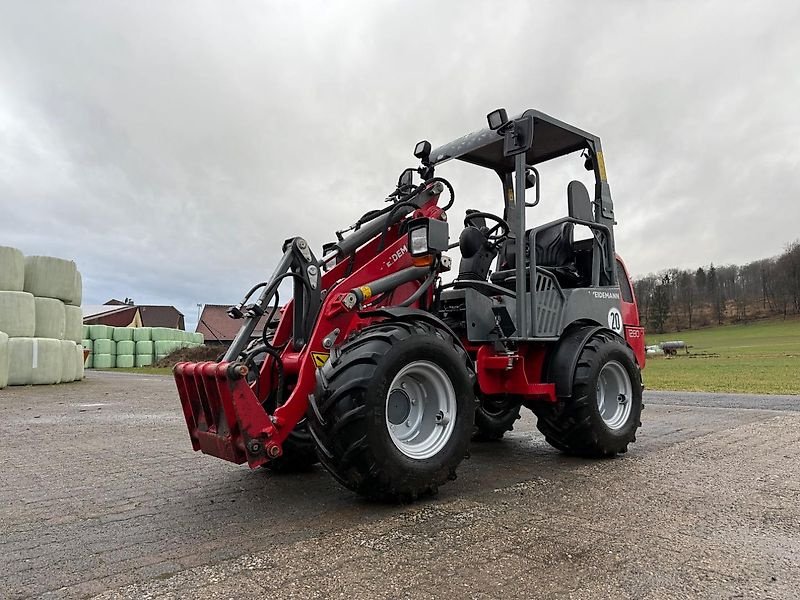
x,y
759,358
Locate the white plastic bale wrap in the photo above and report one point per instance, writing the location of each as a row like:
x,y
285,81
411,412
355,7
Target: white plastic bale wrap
x,y
77,290
79,362
3,360
12,269
50,277
34,361
144,347
144,360
73,323
17,314
68,366
50,318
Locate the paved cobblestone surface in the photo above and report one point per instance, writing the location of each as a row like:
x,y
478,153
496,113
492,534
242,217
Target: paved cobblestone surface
x,y
102,495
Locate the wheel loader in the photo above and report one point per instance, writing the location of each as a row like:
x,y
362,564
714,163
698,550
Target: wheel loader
x,y
385,374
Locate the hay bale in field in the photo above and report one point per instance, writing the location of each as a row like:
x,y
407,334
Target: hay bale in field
x,y
50,277
35,361
73,322
3,360
123,334
104,361
142,334
67,361
12,269
17,314
50,318
100,332
126,347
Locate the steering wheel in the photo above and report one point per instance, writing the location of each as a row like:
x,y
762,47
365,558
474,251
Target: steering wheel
x,y
495,234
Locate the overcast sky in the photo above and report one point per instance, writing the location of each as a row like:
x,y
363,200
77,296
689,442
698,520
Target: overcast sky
x,y
170,147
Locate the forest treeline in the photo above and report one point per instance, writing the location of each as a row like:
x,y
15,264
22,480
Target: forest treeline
x,y
676,299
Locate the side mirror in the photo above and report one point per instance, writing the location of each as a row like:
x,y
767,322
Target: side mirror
x,y
423,151
406,179
497,118
530,179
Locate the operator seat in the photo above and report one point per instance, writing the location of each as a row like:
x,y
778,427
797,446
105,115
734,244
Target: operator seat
x,y
555,251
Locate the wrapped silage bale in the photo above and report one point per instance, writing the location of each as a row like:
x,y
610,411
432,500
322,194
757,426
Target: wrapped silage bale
x,y
87,344
79,363
100,332
50,277
85,332
3,360
161,334
125,361
104,347
77,290
50,318
161,348
12,269
198,338
144,360
104,361
67,361
144,347
17,314
73,321
126,347
34,361
122,334
142,334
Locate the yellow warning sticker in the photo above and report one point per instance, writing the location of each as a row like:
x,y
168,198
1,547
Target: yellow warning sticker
x,y
320,358
365,289
601,166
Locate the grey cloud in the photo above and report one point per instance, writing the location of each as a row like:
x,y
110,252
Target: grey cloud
x,y
170,147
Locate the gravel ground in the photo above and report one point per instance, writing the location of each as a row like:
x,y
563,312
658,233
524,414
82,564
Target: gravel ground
x,y
102,496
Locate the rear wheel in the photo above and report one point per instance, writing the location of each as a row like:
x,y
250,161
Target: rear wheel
x,y
393,411
494,416
603,413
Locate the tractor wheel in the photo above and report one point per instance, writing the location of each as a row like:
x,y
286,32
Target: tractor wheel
x,y
393,411
494,416
603,413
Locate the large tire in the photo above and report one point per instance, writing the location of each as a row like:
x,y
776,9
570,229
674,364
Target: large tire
x,y
393,375
601,416
494,416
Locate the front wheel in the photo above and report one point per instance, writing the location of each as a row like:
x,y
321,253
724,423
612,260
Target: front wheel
x,y
601,416
393,412
494,416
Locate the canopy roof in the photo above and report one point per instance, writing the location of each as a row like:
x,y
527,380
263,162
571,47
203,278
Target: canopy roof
x,y
551,138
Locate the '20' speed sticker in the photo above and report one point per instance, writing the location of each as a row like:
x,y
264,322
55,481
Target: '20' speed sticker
x,y
615,320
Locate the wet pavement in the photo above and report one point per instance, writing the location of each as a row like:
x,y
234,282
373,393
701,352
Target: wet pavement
x,y
102,495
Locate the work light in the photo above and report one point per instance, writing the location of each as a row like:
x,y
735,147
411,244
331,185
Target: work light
x,y
426,236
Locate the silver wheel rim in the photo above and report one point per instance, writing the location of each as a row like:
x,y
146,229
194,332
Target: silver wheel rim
x,y
614,394
421,409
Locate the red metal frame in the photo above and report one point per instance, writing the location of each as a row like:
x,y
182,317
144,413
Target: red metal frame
x,y
225,417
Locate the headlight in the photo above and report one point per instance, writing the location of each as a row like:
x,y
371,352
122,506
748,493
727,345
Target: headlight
x,y
418,241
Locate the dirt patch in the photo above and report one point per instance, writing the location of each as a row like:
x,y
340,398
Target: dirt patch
x,y
197,354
